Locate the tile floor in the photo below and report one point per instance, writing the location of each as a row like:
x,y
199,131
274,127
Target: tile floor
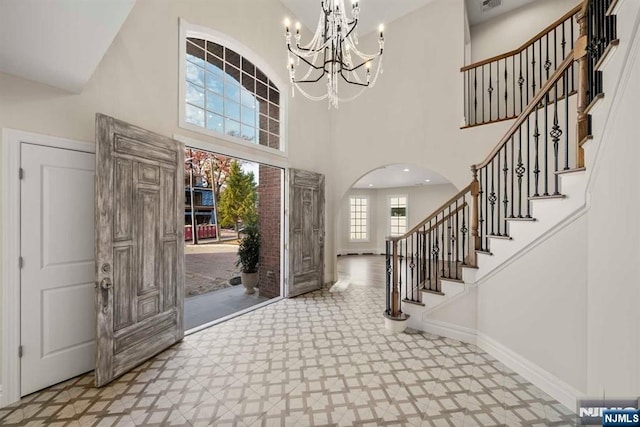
x,y
317,360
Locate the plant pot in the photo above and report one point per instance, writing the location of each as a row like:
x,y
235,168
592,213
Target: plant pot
x,y
249,281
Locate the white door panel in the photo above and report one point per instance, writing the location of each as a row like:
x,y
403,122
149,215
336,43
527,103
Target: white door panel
x,y
57,279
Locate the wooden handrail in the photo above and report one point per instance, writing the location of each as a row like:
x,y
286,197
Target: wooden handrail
x,y
534,39
435,213
533,104
441,221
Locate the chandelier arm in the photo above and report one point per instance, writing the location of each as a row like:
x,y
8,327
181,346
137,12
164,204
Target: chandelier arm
x,y
355,23
359,83
310,80
306,61
356,67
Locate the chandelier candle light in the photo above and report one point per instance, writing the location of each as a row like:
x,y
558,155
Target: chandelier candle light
x,y
333,52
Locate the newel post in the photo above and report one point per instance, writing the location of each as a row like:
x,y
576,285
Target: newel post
x,y
475,191
395,292
583,82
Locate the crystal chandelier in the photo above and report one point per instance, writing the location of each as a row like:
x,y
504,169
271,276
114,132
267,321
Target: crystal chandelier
x,y
333,51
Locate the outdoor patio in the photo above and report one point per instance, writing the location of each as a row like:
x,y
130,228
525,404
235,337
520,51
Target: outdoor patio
x,y
209,266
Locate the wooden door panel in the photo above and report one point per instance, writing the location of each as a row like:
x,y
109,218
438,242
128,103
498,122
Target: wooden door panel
x,y
139,251
306,232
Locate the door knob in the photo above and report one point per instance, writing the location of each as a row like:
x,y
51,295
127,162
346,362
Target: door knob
x,y
105,286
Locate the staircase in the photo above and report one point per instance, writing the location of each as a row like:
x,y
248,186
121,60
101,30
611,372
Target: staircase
x,y
533,182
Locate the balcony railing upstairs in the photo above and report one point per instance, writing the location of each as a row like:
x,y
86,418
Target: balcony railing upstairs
x,y
499,88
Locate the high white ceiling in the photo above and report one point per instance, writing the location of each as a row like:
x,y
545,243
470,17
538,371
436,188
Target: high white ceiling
x,y
58,42
399,175
372,12
376,12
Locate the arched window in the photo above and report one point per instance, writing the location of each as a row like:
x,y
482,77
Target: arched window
x,y
226,93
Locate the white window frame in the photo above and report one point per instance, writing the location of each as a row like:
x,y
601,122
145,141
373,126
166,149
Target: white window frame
x,y
197,31
406,216
368,220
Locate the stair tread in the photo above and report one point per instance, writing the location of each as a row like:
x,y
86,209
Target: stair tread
x,y
520,219
548,196
567,171
432,292
408,301
607,50
480,251
504,237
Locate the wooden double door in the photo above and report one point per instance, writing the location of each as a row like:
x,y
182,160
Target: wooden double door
x,y
139,243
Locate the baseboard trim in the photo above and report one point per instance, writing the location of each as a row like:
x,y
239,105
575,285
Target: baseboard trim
x,y
449,330
545,381
550,384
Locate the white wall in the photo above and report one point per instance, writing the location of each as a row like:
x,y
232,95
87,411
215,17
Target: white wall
x,y
509,31
421,202
614,232
537,306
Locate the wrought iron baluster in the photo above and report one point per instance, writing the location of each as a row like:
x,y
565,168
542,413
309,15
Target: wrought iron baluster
x,y
492,200
498,88
430,258
512,177
556,133
520,83
528,182
546,146
506,90
449,242
464,230
455,240
388,276
520,171
566,119
498,199
475,95
480,203
513,84
490,90
483,104
443,243
536,167
533,71
505,200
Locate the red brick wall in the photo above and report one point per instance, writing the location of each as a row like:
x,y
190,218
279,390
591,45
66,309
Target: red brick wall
x,y
269,213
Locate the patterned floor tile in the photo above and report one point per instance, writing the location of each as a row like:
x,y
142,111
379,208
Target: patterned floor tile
x,y
320,359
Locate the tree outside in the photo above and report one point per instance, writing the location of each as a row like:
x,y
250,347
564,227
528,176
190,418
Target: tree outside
x,y
238,200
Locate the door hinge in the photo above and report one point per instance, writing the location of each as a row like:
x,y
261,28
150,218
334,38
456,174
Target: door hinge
x,y
21,173
20,351
20,262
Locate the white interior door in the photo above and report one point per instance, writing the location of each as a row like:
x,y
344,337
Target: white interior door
x,y
57,277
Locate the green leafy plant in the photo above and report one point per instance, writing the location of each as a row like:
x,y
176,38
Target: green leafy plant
x,y
249,250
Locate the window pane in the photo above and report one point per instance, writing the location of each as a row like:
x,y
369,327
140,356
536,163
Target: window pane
x,y
232,127
195,54
195,95
214,103
248,116
214,122
232,74
214,65
248,133
195,74
248,98
232,110
214,83
194,115
232,92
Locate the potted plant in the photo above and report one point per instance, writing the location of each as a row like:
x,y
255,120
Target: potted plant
x,y
249,257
